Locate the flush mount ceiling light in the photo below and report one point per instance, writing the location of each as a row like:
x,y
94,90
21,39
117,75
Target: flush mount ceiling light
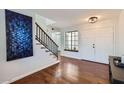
x,y
52,28
93,19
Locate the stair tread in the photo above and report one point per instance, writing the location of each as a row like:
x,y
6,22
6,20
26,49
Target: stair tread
x,y
45,41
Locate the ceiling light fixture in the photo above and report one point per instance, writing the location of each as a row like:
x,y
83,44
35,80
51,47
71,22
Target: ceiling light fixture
x,y
93,19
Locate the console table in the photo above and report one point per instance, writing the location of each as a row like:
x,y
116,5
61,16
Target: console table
x,y
116,74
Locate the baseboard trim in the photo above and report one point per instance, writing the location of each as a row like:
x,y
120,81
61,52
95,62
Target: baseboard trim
x,y
94,62
29,73
86,60
71,57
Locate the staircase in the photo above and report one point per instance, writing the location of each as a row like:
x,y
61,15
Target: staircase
x,y
44,39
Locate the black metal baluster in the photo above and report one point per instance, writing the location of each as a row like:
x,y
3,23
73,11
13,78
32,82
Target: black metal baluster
x,y
36,31
49,44
45,40
52,45
39,36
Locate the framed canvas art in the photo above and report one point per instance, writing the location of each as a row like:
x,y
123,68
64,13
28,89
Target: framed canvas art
x,y
18,35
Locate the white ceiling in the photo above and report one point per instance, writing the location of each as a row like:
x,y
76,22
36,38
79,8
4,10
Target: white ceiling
x,y
70,17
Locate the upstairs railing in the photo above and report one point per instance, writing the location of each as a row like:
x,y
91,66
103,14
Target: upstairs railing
x,y
46,40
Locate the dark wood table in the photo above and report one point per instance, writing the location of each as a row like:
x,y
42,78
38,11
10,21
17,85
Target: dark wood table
x,y
116,74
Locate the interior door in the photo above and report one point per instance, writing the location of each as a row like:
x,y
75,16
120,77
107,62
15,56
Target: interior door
x,y
103,44
97,44
88,50
87,42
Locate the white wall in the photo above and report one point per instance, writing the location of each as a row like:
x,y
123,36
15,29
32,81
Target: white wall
x,y
83,27
12,70
120,35
44,23
41,21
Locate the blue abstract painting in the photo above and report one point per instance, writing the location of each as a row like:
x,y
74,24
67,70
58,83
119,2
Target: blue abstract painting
x,y
18,35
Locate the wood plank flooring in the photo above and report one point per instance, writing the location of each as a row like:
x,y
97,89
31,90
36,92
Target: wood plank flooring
x,y
69,71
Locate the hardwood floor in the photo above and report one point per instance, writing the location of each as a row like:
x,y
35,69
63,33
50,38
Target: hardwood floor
x,y
69,70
